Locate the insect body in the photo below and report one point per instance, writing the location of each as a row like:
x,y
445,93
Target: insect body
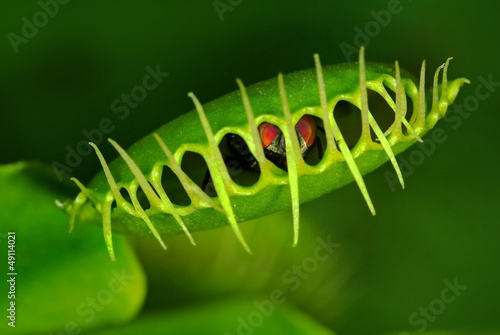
x,y
286,143
239,158
274,145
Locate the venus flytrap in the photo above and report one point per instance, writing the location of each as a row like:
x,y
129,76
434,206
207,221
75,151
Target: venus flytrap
x,y
129,196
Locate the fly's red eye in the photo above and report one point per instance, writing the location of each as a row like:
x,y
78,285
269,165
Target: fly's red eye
x,y
268,133
307,129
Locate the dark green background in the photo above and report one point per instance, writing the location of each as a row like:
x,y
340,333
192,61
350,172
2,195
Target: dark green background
x,y
445,224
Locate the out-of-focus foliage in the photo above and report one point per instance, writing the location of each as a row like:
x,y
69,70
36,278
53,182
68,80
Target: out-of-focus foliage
x,y
63,281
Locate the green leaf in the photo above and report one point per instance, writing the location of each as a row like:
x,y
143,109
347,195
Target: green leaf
x,y
63,282
226,318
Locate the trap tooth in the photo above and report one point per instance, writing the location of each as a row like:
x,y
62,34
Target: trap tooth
x,y
106,227
433,116
443,102
330,138
339,139
293,158
420,122
164,204
364,109
80,199
256,141
400,107
145,218
120,201
194,191
365,127
219,173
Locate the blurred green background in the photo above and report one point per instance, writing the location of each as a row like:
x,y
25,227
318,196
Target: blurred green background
x,y
443,227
